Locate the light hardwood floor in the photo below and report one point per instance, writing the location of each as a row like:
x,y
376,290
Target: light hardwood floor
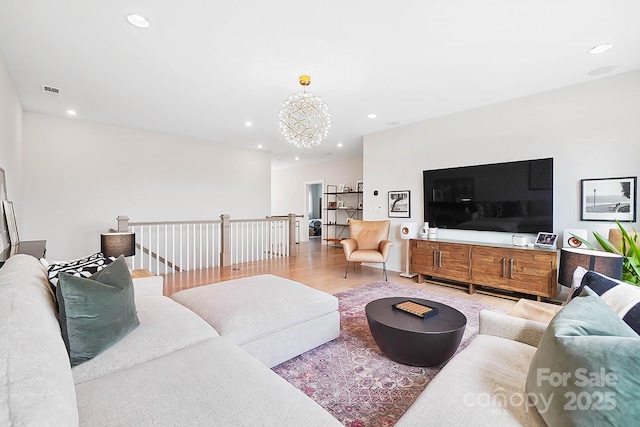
x,y
321,267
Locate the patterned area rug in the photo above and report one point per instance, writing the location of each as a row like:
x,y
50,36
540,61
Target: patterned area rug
x,y
351,378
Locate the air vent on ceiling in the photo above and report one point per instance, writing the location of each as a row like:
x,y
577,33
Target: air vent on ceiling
x,y
50,90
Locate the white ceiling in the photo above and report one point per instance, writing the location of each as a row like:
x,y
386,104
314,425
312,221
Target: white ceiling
x,y
204,68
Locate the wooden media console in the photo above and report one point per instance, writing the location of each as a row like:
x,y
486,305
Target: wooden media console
x,y
518,269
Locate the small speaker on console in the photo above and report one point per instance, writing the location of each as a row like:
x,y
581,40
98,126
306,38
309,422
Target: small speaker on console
x,y
569,240
409,230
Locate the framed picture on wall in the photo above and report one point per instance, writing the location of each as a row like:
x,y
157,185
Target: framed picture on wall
x,y
608,199
4,233
10,218
399,204
359,186
3,186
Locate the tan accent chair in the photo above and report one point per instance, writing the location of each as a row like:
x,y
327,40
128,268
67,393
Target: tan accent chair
x,y
368,243
615,237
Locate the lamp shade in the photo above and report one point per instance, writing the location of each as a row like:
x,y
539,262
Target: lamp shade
x,y
116,244
601,262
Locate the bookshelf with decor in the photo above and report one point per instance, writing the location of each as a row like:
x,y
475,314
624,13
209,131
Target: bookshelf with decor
x,y
341,204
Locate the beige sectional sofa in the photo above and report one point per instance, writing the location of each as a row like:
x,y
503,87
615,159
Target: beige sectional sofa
x,y
176,369
173,369
475,384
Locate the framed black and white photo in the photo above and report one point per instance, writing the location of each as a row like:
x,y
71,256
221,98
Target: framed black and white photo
x,y
608,199
359,186
399,204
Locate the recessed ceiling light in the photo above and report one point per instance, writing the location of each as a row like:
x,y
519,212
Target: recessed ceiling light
x,y
71,112
138,21
372,116
259,145
340,144
601,48
297,158
247,124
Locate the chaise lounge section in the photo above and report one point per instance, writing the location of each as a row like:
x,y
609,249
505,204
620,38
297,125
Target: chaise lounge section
x,y
173,369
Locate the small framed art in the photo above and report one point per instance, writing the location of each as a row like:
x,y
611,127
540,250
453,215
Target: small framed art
x,y
399,204
10,218
547,240
608,199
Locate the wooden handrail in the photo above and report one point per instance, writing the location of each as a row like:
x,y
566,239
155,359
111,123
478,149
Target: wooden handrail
x,y
155,256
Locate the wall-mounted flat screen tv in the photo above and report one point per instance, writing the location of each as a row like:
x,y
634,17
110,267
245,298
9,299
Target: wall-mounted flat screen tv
x,y
513,197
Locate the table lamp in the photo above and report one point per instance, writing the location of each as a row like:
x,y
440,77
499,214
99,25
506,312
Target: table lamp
x,y
606,263
118,243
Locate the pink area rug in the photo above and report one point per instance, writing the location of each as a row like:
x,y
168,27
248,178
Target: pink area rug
x,y
351,378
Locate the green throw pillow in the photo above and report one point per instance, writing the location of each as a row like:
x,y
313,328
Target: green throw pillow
x,y
96,312
586,370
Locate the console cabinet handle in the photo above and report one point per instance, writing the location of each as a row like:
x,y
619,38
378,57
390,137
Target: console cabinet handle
x,y
504,267
511,268
440,260
435,260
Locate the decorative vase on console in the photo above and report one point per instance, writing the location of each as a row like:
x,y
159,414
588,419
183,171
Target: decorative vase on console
x,y
424,231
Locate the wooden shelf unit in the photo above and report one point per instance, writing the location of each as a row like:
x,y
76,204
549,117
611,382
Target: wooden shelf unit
x,y
526,270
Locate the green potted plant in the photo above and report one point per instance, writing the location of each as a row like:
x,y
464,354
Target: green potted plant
x,y
629,250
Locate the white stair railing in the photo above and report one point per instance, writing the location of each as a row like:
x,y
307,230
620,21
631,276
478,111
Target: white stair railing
x,y
172,246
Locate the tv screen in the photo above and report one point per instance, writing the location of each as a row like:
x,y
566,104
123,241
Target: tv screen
x,y
514,197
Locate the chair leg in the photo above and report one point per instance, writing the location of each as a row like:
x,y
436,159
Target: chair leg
x,y
384,269
346,270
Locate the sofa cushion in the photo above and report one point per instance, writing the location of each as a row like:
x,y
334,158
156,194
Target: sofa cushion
x,y
251,308
36,386
80,267
165,326
483,385
622,297
97,312
211,383
585,371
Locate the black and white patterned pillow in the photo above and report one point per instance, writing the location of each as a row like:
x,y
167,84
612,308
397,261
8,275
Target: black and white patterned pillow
x,y
81,267
623,298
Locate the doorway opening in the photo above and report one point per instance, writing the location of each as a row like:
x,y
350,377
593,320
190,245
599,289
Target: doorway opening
x,y
313,207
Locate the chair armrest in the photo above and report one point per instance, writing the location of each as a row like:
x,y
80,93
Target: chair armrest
x,y
152,285
385,248
509,327
348,245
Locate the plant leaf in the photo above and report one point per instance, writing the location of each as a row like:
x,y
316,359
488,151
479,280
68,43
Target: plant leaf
x,y
585,242
633,247
606,245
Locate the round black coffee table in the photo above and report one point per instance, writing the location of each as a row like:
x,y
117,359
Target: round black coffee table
x,y
412,340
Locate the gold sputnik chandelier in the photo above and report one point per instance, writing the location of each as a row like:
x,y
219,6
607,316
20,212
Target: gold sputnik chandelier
x,y
304,117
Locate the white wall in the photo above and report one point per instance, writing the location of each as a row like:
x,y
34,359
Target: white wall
x,y
288,186
79,176
591,130
11,138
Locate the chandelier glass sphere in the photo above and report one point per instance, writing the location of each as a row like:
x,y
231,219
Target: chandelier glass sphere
x,y
304,118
